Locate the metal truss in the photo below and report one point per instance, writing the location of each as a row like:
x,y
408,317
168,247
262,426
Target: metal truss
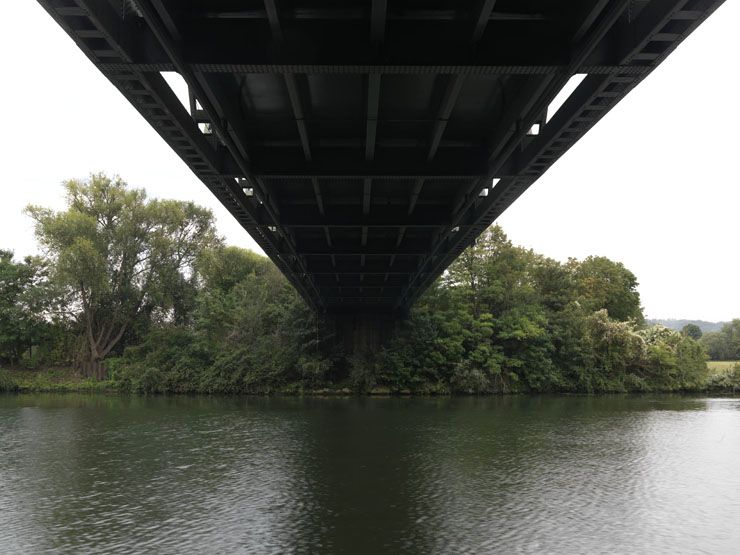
x,y
365,146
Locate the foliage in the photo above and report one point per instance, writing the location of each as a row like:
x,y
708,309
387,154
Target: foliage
x,y
608,285
723,344
147,285
725,381
502,319
27,303
120,257
693,331
50,380
7,383
249,332
169,359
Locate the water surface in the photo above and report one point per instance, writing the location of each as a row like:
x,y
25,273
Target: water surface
x,y
257,475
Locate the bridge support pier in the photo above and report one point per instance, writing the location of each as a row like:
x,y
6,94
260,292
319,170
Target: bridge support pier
x,y
360,333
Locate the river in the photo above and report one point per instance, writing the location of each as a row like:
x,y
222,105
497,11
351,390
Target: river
x,y
85,473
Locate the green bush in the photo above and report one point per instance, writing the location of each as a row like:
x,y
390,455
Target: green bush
x,y
363,368
6,382
469,379
725,382
171,359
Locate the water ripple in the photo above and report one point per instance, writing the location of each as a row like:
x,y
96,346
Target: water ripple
x,y
516,475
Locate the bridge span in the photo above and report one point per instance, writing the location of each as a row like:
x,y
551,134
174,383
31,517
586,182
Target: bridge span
x,y
364,144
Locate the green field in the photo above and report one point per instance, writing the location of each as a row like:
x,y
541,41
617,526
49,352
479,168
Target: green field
x,y
721,366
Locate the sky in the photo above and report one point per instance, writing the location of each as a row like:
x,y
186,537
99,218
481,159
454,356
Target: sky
x,y
654,184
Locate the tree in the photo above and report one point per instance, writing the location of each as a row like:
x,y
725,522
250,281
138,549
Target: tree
x,y
724,344
225,267
262,333
731,331
119,256
605,284
14,279
249,333
25,298
509,293
716,346
693,331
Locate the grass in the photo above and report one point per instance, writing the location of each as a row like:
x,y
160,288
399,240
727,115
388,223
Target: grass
x,y
49,380
721,366
724,376
69,380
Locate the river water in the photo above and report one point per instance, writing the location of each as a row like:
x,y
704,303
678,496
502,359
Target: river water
x,y
443,475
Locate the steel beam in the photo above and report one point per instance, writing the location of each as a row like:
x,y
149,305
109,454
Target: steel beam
x,y
363,202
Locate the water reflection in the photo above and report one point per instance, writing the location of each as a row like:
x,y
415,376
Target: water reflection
x,y
528,474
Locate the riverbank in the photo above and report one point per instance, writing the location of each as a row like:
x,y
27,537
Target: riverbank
x,y
49,380
723,377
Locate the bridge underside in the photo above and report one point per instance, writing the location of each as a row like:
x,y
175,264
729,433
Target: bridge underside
x,y
362,143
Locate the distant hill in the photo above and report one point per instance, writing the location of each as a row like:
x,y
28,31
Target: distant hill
x,y
679,324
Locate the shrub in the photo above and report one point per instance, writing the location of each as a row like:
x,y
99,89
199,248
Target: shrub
x,y
6,382
469,379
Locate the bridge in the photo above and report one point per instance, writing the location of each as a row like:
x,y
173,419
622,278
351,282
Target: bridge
x,y
364,144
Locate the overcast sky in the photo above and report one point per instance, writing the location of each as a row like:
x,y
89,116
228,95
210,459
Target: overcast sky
x,y
655,184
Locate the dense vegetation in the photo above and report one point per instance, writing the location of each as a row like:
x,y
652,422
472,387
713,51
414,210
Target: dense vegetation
x,y
142,294
725,343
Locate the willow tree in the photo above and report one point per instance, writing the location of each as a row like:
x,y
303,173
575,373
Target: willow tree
x,y
119,256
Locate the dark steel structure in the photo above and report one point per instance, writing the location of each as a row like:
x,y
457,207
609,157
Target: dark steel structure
x,y
365,143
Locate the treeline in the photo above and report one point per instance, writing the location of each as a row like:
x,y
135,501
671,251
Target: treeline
x,y
725,343
144,295
703,325
506,319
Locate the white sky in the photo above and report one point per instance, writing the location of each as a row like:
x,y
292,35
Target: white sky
x,y
655,184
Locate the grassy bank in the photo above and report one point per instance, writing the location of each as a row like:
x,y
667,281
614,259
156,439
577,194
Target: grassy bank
x,y
723,377
50,380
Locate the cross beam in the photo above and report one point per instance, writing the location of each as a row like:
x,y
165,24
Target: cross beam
x,y
365,146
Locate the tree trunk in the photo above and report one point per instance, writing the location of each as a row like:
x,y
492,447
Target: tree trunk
x,y
94,368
